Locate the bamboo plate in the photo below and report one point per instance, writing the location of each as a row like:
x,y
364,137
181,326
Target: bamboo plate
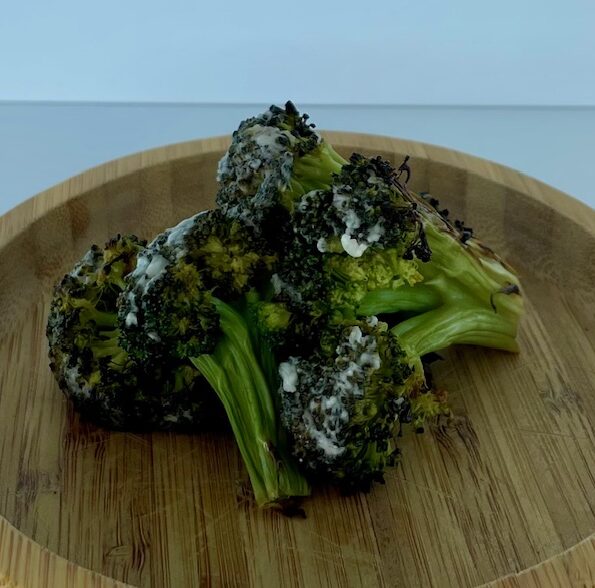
x,y
506,495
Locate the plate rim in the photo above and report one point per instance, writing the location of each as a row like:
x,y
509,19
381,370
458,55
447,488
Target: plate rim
x,y
15,220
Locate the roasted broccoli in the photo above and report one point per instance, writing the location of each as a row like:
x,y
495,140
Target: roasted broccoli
x,y
274,159
310,301
106,385
368,246
194,297
344,407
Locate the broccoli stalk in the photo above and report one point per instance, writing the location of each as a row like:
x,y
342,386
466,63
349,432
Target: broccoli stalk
x,y
313,170
233,370
467,296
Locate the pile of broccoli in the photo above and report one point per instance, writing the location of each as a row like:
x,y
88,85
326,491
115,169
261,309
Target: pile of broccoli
x,y
307,305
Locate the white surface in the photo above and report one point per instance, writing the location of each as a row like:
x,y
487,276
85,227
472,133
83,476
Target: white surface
x,y
329,51
41,145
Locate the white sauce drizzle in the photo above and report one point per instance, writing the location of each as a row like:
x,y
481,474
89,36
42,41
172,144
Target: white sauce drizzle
x,y
352,246
347,383
151,265
289,375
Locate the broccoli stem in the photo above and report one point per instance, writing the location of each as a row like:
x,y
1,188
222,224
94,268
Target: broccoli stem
x,y
459,266
466,297
419,298
314,170
448,325
234,373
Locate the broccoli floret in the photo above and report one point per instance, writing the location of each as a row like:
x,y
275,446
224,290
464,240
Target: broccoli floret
x,y
271,319
344,406
360,234
199,306
104,383
361,209
468,294
167,308
375,248
274,159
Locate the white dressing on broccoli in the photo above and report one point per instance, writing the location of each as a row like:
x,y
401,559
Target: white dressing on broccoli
x,y
327,410
289,375
176,235
322,245
375,233
352,246
74,379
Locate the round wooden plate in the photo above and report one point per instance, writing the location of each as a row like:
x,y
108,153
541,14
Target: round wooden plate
x,y
506,494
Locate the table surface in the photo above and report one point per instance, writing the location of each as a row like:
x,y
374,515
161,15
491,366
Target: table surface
x,y
42,144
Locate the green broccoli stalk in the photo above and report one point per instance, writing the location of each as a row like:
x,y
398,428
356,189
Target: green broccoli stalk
x,y
311,171
467,295
233,370
193,298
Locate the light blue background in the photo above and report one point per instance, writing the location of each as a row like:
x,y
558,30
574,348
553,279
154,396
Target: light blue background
x,y
315,51
83,82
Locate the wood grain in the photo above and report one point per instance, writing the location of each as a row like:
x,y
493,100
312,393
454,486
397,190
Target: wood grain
x,y
505,495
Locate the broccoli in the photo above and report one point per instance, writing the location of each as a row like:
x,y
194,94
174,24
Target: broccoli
x,y
167,309
104,383
344,408
361,209
467,295
274,159
368,246
195,297
357,235
311,301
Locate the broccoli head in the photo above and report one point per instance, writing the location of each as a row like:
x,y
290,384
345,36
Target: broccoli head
x,y
167,309
343,405
104,383
274,158
362,209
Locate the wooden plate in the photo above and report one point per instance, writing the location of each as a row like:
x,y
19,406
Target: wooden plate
x,y
509,487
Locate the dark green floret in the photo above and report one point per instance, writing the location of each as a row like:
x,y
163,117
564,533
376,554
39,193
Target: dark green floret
x,y
167,309
344,406
104,383
274,159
